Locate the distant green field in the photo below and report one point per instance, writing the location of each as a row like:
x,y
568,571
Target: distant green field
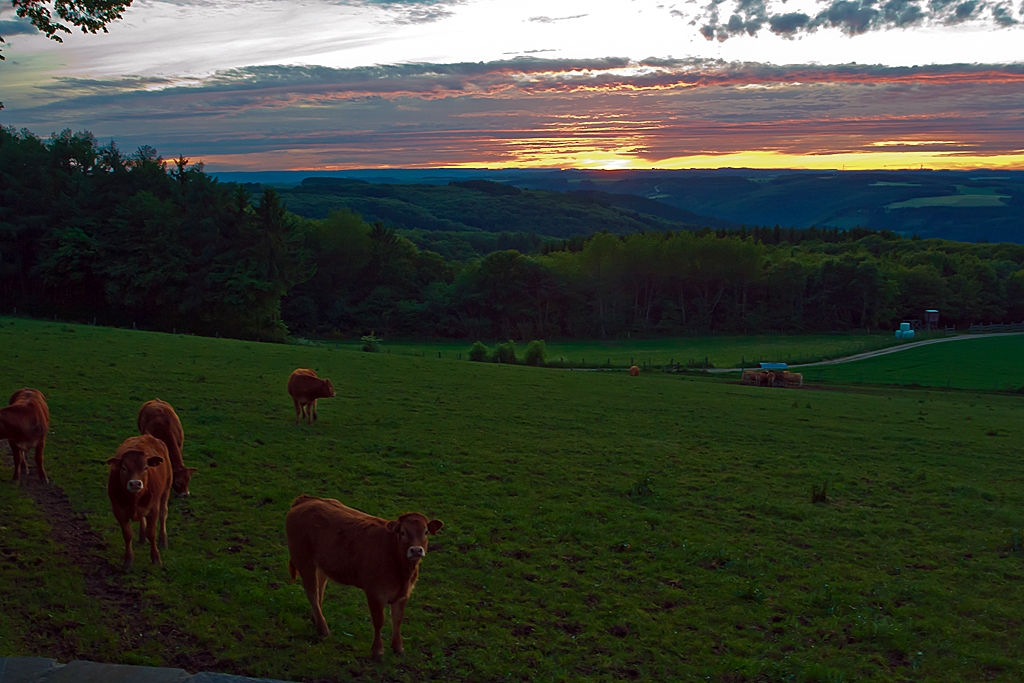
x,y
976,363
597,526
719,351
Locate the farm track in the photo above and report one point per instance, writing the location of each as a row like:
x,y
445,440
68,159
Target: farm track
x,y
124,606
882,352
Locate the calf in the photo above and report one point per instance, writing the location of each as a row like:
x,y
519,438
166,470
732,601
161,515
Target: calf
x,y
327,540
305,388
24,423
139,485
158,418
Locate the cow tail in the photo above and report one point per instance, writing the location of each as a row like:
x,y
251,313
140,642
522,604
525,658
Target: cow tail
x,y
292,571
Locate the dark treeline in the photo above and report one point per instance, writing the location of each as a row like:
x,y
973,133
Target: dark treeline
x,y
86,231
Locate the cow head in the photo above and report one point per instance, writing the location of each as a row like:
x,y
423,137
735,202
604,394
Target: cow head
x,y
411,532
328,389
182,476
133,467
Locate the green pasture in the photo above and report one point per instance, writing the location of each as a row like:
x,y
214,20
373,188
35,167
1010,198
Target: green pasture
x,y
720,352
993,363
597,526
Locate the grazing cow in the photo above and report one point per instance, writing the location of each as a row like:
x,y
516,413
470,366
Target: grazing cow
x,y
327,540
158,418
24,423
749,377
139,486
769,379
305,388
634,371
792,378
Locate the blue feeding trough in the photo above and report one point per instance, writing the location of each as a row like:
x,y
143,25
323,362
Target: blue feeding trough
x,y
773,366
904,332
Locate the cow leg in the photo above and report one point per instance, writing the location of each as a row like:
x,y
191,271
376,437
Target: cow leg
x,y
163,517
39,461
377,615
310,582
321,586
314,409
309,413
397,612
126,532
298,410
19,460
151,528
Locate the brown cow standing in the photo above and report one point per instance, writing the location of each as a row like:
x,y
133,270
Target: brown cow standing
x,y
24,423
327,540
158,418
634,371
139,486
305,388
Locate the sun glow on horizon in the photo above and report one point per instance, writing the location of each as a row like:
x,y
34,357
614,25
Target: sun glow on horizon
x,y
600,160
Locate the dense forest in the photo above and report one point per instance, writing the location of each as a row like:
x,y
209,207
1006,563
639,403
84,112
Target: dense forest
x,y
87,231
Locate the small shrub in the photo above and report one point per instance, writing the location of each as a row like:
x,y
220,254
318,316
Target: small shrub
x,y
371,344
536,354
478,352
505,353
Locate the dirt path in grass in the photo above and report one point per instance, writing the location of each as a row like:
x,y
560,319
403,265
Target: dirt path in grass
x,y
884,352
123,605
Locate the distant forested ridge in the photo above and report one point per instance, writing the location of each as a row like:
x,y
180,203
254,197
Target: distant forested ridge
x,y
491,207
88,231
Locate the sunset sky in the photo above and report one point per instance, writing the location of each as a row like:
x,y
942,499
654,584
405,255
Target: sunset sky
x,y
313,84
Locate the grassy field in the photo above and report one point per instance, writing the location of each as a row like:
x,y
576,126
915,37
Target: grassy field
x,y
992,363
596,525
720,352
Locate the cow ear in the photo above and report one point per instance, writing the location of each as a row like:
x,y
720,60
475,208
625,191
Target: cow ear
x,y
111,461
154,461
191,470
434,525
393,526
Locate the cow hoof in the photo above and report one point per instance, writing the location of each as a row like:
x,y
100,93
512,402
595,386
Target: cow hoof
x,y
127,567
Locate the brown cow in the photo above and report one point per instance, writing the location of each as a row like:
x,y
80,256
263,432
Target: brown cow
x,y
139,486
327,540
634,371
749,377
792,378
158,418
24,423
305,388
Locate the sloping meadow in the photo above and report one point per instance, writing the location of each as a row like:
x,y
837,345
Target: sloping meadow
x,y
596,525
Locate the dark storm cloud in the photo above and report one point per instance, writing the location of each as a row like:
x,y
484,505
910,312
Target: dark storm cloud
x,y
852,17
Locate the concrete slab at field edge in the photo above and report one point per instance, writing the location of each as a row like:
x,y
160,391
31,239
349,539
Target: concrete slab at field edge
x,y
91,672
24,669
207,677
